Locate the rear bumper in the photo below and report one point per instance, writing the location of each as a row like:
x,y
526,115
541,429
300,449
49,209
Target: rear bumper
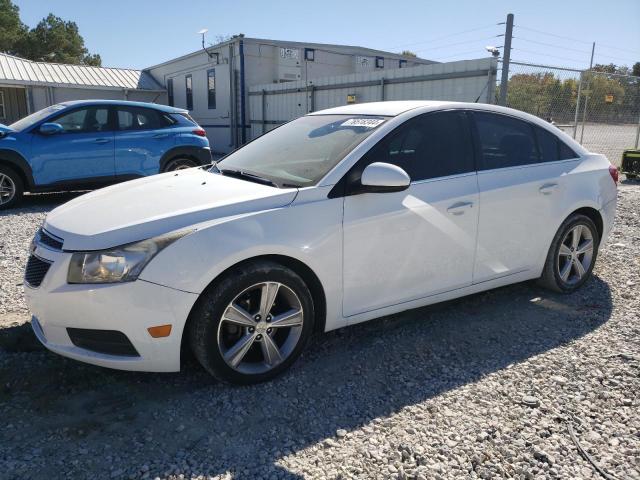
x,y
608,213
130,308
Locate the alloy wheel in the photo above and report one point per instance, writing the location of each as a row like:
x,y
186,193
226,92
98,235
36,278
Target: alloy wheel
x,y
260,328
7,189
575,254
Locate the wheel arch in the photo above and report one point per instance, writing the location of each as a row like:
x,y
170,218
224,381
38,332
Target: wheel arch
x,y
307,274
17,162
594,215
182,151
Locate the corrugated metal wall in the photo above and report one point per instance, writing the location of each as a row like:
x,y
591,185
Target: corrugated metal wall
x,y
466,81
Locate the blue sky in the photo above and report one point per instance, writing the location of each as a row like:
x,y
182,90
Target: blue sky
x,y
141,33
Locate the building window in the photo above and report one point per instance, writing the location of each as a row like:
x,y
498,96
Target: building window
x,y
402,64
3,112
211,88
379,62
189,91
309,54
170,91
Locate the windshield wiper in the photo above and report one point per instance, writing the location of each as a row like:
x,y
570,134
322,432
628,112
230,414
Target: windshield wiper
x,y
251,177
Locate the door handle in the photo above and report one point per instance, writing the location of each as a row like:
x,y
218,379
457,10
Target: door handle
x,y
548,188
102,140
161,135
459,208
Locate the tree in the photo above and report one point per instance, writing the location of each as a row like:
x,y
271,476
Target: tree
x,y
12,30
408,53
636,69
52,40
56,40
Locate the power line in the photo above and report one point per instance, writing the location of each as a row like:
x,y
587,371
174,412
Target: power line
x,y
457,54
440,47
436,39
552,45
549,55
635,52
553,35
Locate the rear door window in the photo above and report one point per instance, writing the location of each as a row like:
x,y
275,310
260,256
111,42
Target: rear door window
x,y
504,141
136,118
551,147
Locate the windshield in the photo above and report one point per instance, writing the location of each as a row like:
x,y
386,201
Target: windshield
x,y
35,117
301,152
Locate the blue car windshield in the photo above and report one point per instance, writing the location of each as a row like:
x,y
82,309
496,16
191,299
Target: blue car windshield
x,y
35,117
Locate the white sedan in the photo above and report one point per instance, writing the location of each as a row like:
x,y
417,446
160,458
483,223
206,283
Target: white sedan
x,y
335,218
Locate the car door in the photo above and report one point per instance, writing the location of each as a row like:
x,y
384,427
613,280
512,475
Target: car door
x,y
81,153
520,194
142,137
403,246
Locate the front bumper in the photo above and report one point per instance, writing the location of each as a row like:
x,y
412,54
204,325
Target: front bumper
x,y
129,308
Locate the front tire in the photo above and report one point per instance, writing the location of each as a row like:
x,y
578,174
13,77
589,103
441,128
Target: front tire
x,y
179,164
572,255
11,188
252,324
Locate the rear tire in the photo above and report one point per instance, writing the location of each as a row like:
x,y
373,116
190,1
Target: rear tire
x,y
179,164
572,255
11,187
237,337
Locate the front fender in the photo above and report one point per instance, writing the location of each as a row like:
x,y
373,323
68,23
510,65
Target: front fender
x,y
310,233
18,163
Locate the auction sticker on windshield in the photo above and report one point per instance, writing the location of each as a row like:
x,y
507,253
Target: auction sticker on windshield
x,y
363,122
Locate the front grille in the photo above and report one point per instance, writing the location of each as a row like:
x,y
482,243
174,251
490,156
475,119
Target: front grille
x,y
35,271
45,238
111,342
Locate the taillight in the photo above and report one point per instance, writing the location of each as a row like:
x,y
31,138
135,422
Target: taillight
x,y
613,171
200,132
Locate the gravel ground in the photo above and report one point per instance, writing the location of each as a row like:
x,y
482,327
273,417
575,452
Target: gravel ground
x,y
489,386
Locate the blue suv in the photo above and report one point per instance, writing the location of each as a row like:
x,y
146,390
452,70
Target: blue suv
x,y
91,143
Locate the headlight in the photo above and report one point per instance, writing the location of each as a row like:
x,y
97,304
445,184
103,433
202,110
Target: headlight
x,y
120,264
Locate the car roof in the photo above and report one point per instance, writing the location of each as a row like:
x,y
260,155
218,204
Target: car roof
x,y
390,108
156,106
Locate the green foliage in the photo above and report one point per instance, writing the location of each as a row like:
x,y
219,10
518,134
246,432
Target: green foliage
x,y
12,30
408,53
52,40
611,96
636,69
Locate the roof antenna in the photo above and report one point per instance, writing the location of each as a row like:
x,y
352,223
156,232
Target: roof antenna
x,y
203,33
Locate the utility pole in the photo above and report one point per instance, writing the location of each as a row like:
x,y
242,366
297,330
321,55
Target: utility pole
x,y
506,57
586,97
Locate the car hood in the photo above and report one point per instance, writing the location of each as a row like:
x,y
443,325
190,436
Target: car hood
x,y
144,208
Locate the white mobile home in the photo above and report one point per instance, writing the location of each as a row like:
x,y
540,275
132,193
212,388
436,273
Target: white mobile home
x,y
213,83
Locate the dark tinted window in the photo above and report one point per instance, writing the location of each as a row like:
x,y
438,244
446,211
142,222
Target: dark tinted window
x,y
566,152
551,147
83,120
211,88
429,146
189,91
504,141
135,118
170,91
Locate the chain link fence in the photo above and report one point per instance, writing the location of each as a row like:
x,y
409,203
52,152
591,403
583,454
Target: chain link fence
x,y
600,110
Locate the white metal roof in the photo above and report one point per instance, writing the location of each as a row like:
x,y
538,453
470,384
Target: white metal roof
x,y
19,71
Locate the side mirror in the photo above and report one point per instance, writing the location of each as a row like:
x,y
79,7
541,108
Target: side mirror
x,y
50,128
384,177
